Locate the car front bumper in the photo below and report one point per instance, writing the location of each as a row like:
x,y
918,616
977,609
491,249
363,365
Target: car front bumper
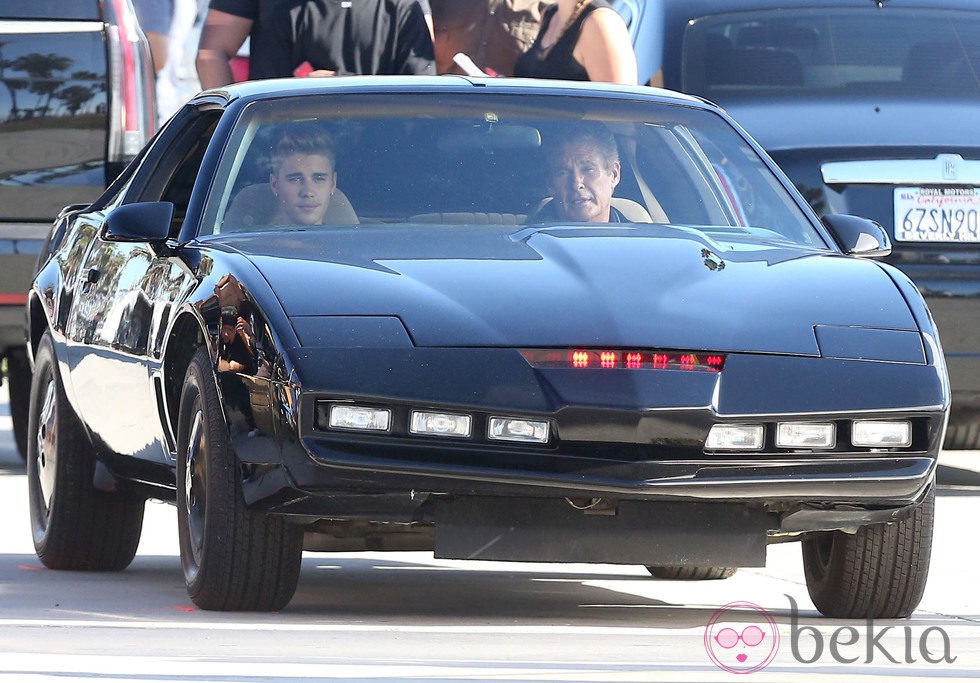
x,y
322,479
617,435
648,513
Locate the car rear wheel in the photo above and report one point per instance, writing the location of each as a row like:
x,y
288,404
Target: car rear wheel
x,y
19,388
233,558
679,573
74,525
880,571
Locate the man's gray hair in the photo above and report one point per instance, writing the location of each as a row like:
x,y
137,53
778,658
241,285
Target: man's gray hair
x,y
595,134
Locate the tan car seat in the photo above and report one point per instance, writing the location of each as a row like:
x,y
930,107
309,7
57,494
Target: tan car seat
x,y
254,205
633,211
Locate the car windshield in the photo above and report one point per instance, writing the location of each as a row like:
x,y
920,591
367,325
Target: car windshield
x,y
473,159
833,52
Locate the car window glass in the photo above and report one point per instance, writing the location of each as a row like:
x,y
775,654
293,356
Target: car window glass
x,y
485,161
170,171
833,52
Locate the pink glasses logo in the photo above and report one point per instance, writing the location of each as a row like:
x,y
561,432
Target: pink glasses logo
x,y
739,648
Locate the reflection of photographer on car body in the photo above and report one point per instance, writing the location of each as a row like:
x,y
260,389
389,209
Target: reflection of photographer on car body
x,y
236,352
236,344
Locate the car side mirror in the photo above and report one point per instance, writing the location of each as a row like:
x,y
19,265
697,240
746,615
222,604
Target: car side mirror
x,y
140,222
858,236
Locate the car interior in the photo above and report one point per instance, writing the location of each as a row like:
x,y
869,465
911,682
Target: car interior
x,y
477,165
482,188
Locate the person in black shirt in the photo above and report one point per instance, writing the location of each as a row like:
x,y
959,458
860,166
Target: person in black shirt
x,y
316,37
580,40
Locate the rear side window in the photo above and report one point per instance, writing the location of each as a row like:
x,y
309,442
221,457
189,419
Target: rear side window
x,y
49,9
833,52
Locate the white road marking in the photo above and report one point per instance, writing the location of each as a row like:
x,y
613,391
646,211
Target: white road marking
x,y
346,628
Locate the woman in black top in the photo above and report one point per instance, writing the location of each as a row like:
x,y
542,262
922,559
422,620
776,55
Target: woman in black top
x,y
580,40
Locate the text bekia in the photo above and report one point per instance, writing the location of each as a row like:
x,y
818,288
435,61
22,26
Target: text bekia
x,y
846,641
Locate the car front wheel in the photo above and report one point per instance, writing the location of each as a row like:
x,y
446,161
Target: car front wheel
x,y
74,525
233,558
879,572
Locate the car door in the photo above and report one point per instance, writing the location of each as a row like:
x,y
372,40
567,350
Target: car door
x,y
129,291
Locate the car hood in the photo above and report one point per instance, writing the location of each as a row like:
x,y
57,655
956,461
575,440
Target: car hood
x,y
787,123
627,287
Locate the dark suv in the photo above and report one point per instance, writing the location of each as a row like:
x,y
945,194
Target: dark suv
x,y
76,104
871,108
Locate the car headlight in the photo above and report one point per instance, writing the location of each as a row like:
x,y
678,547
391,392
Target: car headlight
x,y
360,418
518,429
440,424
805,435
881,433
870,343
736,437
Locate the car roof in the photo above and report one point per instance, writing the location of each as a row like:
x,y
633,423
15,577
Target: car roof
x,y
288,87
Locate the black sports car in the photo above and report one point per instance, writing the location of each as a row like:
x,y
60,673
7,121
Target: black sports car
x,y
499,319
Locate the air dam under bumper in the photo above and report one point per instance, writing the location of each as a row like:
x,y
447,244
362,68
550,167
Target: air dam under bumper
x,y
690,534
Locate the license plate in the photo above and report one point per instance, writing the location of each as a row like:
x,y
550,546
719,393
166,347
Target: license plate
x,y
937,214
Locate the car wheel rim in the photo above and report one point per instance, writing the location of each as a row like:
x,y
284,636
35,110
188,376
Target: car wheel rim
x,y
194,487
47,455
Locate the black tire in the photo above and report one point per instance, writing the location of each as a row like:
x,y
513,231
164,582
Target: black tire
x,y
19,389
233,558
880,571
74,525
680,573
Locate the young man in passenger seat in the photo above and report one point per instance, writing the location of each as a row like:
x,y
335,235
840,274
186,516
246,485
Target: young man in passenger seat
x,y
303,177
